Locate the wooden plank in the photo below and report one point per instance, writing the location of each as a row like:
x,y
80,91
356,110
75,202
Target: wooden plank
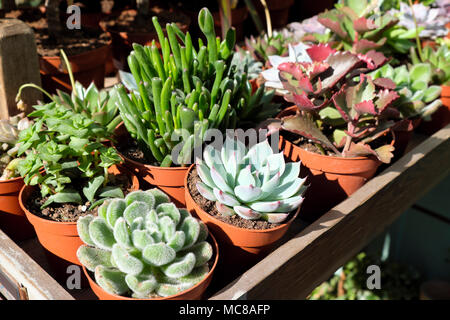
x,y
294,269
19,64
27,273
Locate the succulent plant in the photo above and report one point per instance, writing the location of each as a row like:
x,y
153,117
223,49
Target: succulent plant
x,y
357,26
9,144
253,183
432,21
301,31
186,92
361,105
144,246
100,106
417,96
263,46
243,62
438,59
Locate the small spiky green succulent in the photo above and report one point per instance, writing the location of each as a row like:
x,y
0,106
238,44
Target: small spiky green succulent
x,y
253,183
263,46
144,246
9,137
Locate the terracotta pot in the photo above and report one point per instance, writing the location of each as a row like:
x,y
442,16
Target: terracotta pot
x,y
61,238
122,43
87,67
12,218
249,240
279,12
194,293
441,117
168,179
331,179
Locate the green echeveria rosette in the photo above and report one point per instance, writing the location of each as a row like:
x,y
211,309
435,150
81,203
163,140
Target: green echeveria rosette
x,y
253,183
144,246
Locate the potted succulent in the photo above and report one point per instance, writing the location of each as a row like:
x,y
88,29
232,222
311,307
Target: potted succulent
x,y
144,247
263,46
68,169
132,26
175,99
12,217
340,126
87,50
247,196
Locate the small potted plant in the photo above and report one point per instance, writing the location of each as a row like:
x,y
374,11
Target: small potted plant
x,y
247,196
12,217
144,247
69,170
175,99
339,127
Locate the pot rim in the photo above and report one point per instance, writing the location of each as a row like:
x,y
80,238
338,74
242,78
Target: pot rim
x,y
210,273
132,176
218,222
16,179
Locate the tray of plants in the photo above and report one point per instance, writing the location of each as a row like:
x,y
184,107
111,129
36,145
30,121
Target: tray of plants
x,y
217,171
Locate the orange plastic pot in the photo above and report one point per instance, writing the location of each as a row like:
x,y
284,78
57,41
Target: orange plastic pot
x,y
12,218
251,241
168,179
87,67
194,293
441,117
61,238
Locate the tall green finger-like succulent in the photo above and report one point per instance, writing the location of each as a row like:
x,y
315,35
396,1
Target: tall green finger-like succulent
x,y
253,183
178,92
144,246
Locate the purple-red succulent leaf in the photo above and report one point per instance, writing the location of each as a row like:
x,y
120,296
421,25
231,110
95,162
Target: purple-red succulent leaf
x,y
320,52
364,45
385,83
341,63
365,107
385,98
363,25
373,59
340,102
305,126
383,153
332,21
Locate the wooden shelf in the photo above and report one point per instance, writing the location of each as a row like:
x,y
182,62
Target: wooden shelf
x,y
307,255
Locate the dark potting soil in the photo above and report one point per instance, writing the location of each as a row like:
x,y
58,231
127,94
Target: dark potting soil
x,y
130,149
70,212
305,144
127,20
210,207
72,41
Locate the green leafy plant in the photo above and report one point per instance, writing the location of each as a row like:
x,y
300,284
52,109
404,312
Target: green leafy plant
x,y
399,282
177,93
9,146
356,28
417,96
253,183
361,105
144,246
263,46
67,146
438,59
100,106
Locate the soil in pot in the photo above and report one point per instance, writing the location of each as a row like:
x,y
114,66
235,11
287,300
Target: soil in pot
x,y
87,50
126,28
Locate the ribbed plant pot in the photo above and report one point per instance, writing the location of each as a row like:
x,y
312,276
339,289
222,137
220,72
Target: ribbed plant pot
x,y
441,117
168,179
238,244
194,293
61,238
12,218
87,67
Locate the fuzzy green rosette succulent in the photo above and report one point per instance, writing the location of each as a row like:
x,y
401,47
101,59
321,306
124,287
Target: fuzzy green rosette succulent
x,y
253,183
144,246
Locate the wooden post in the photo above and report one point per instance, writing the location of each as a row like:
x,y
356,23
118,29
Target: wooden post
x,y
19,64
